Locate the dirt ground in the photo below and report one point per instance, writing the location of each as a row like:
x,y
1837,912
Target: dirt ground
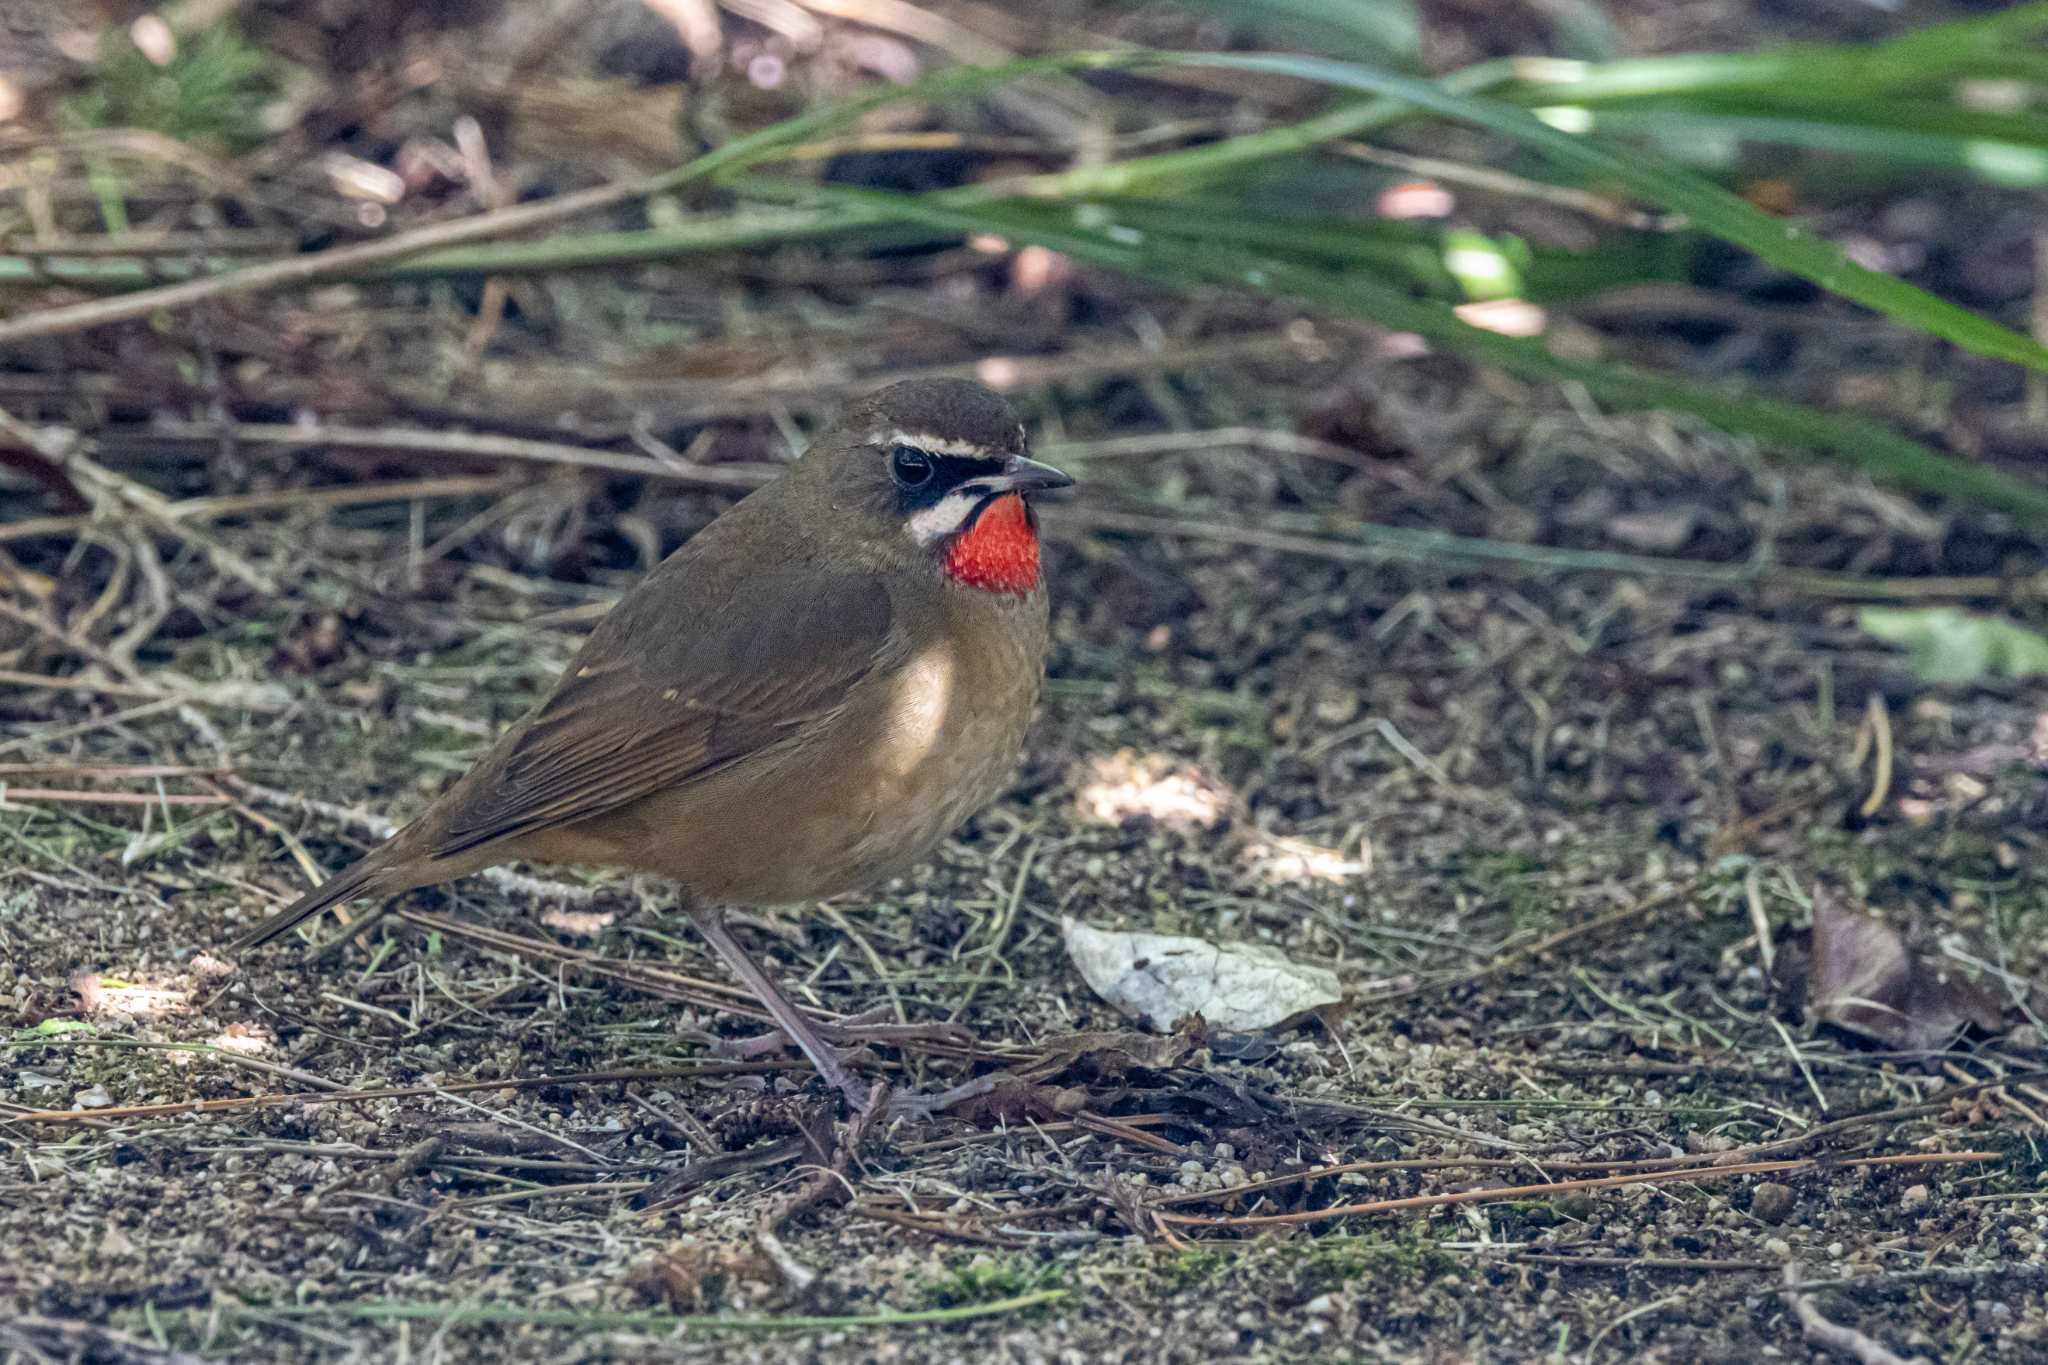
x,y
1561,832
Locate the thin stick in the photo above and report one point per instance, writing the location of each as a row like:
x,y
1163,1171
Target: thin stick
x,y
465,445
12,797
1832,1335
396,1092
321,265
240,504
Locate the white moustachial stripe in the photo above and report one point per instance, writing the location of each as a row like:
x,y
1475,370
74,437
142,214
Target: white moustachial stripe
x,y
929,525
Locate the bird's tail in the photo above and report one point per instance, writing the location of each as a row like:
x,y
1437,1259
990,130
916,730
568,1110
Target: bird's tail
x,y
363,876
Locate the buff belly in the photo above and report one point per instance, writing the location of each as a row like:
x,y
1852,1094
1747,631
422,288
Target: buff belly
x,y
862,797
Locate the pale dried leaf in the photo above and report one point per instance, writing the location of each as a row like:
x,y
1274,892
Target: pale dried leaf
x,y
1159,978
1657,532
578,923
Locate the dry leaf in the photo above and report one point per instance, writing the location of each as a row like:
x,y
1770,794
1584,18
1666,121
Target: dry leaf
x,y
1864,980
1158,978
578,923
1655,532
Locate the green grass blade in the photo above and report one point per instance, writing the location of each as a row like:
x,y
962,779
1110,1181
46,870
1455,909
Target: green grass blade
x,y
1709,207
1929,59
1445,262
1852,440
1383,30
2017,160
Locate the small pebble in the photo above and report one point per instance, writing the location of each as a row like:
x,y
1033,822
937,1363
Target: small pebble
x,y
1771,1201
1321,1306
1577,1205
1915,1197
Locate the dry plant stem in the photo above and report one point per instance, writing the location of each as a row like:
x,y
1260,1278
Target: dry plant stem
x,y
98,1117
32,1337
15,678
464,445
1846,1341
304,269
10,797
295,499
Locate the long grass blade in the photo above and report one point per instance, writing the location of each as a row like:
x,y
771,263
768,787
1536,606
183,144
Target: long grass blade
x,y
1853,440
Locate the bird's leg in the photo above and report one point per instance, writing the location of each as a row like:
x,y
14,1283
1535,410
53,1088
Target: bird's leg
x,y
710,922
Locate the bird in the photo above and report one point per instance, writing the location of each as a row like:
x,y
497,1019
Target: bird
x,y
801,701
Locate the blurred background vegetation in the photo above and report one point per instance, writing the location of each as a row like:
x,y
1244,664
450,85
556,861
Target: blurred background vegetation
x,y
1569,191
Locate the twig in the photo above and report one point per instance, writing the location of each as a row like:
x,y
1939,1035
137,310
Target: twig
x,y
16,678
240,504
321,265
396,1092
466,445
12,797
1833,1336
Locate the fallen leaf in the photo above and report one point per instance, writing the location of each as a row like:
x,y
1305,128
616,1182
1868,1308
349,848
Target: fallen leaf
x,y
578,923
1949,645
1097,1057
1654,531
1865,980
1159,978
117,995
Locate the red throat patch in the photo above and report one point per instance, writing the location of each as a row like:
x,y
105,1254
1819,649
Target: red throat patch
x,y
999,553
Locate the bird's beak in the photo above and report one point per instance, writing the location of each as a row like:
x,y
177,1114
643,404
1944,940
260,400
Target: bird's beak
x,y
1029,476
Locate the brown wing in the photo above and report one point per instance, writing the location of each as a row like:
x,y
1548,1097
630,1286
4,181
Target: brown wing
x,y
672,687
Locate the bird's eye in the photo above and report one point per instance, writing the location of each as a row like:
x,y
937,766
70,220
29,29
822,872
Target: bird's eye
x,y
911,466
